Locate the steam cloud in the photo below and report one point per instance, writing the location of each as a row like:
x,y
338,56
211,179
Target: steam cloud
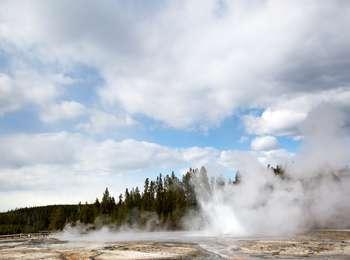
x,y
314,192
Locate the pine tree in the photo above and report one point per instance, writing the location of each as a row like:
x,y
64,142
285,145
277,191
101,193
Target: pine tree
x,y
57,219
107,203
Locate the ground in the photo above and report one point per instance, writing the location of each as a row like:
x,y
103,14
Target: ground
x,y
321,244
50,248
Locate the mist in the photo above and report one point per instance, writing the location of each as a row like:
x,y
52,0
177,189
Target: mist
x,y
313,191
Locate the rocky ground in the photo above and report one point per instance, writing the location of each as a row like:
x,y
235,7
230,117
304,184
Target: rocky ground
x,y
322,244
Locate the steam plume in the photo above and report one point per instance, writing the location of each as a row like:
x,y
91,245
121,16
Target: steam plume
x,y
314,190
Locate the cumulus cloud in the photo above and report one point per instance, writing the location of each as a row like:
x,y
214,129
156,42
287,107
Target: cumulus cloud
x,y
187,64
51,165
25,149
63,111
86,155
288,114
150,62
28,87
264,143
282,122
37,163
100,122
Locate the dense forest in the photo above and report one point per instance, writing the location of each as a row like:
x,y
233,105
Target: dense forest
x,y
161,204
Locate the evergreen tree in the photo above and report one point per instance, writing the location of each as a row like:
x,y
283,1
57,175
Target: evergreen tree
x,y
107,203
57,219
159,195
97,204
87,214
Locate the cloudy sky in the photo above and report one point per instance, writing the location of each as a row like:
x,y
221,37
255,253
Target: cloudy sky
x,y
105,93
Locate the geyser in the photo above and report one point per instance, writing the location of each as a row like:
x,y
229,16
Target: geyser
x,y
313,191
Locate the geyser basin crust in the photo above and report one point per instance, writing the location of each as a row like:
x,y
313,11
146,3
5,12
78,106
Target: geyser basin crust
x,y
50,248
320,244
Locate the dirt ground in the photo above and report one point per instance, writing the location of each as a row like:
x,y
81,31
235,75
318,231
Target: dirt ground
x,y
322,244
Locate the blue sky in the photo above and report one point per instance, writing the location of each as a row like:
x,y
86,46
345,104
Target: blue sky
x,y
111,93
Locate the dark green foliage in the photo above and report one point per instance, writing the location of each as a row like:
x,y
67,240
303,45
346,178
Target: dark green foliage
x,y
88,213
28,220
278,170
57,219
162,204
108,203
189,193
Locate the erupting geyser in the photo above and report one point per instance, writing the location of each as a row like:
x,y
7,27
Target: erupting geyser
x,y
313,191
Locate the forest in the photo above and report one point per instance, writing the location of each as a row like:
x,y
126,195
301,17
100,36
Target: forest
x,y
161,204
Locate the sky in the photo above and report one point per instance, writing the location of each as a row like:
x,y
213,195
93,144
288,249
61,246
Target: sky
x,y
97,94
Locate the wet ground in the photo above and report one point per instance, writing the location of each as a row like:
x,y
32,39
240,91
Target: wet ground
x,y
321,244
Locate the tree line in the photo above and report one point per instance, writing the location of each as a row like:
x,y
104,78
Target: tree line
x,y
161,204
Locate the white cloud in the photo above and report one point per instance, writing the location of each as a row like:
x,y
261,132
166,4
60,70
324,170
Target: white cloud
x,y
29,87
100,122
281,122
110,157
7,102
190,63
264,143
243,139
83,154
55,164
63,111
37,149
200,156
287,114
